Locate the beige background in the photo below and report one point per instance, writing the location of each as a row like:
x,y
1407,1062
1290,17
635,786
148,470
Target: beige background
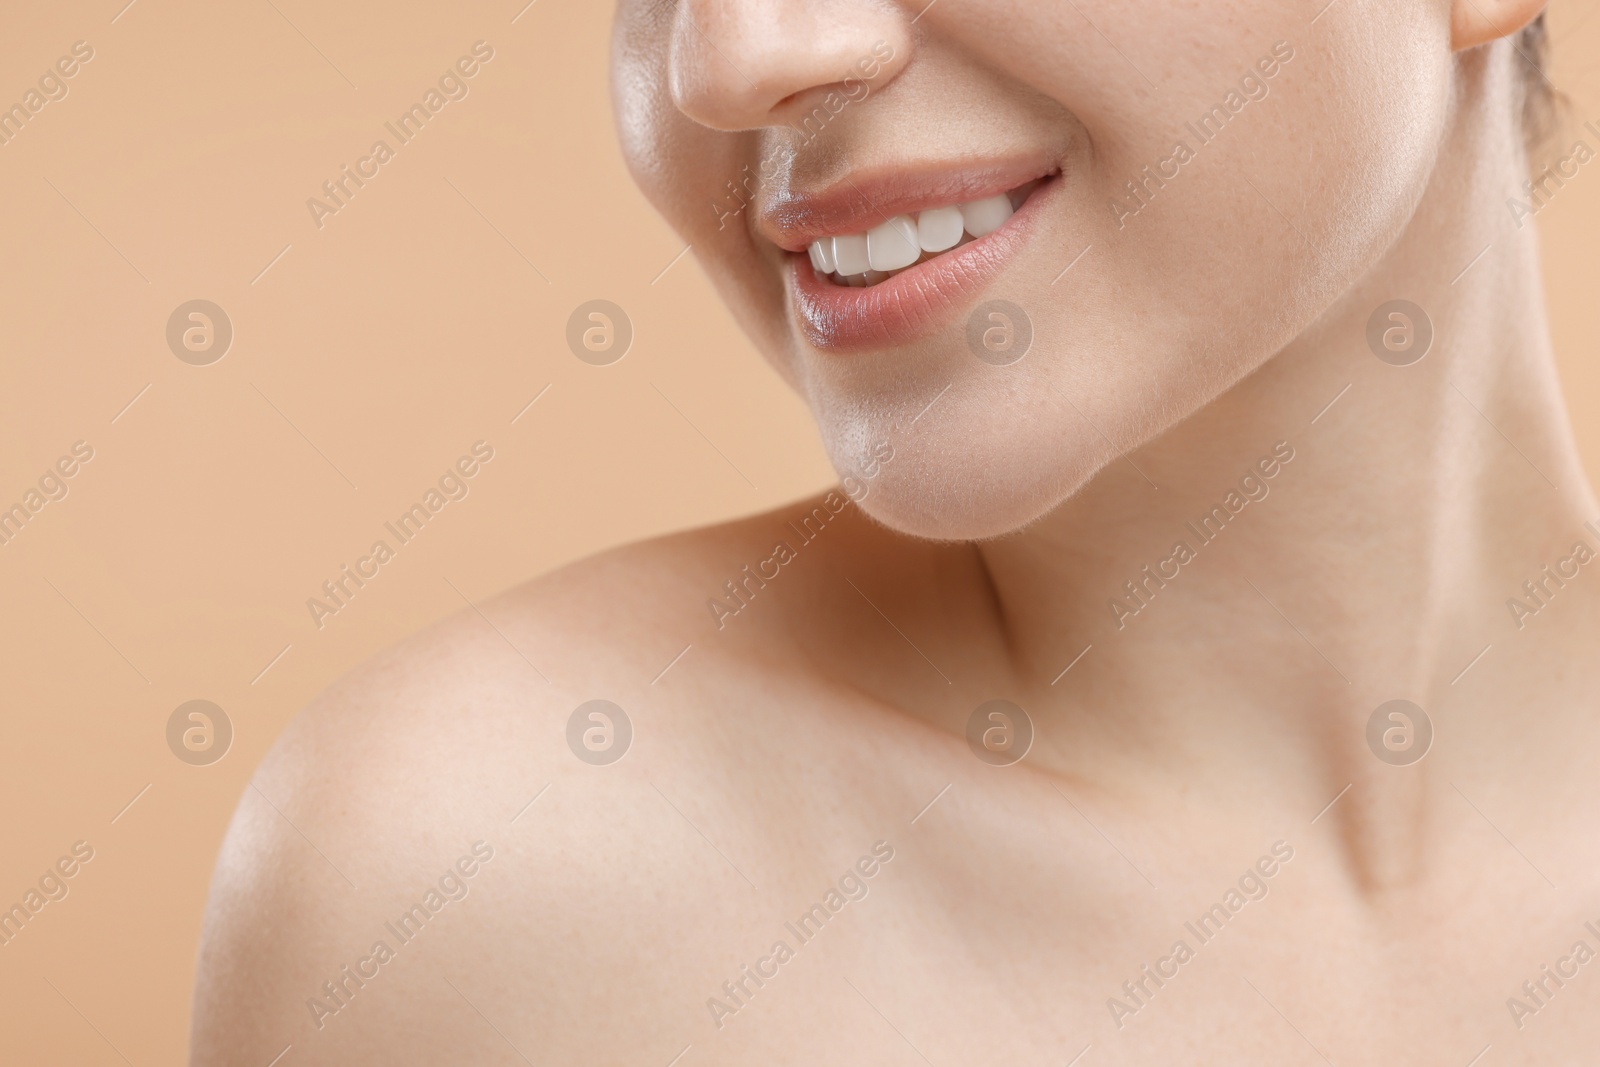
x,y
422,317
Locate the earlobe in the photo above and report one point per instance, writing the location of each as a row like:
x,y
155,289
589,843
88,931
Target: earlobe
x,y
1476,22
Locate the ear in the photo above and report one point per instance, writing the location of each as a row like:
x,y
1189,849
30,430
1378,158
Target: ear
x,y
1475,22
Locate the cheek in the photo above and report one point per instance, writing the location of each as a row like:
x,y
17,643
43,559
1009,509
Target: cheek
x,y
676,163
1205,283
699,180
1283,204
1176,298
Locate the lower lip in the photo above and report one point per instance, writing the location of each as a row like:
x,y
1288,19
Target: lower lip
x,y
914,303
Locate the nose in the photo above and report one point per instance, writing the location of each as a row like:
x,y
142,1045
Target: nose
x,y
746,64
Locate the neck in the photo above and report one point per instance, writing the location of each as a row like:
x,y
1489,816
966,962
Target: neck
x,y
1372,565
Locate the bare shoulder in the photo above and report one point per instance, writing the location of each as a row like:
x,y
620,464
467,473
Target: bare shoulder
x,y
536,771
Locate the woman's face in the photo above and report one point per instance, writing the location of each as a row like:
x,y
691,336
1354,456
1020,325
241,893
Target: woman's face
x,y
1152,197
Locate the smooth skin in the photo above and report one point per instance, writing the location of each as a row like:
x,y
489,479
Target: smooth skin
x,y
830,713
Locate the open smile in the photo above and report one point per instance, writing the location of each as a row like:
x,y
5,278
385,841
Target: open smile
x,y
862,259
862,277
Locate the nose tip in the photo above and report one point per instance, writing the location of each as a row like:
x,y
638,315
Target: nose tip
x,y
741,65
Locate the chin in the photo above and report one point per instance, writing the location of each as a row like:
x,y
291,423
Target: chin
x,y
954,493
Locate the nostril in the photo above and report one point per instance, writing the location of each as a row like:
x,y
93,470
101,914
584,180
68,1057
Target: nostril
x,y
826,96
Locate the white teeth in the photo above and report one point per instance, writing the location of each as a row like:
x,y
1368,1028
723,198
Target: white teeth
x,y
861,259
939,228
821,253
985,216
894,244
850,254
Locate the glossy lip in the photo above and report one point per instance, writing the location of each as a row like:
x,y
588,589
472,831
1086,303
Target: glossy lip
x,y
792,220
919,299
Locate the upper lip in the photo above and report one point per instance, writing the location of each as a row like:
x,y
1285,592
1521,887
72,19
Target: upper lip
x,y
792,217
